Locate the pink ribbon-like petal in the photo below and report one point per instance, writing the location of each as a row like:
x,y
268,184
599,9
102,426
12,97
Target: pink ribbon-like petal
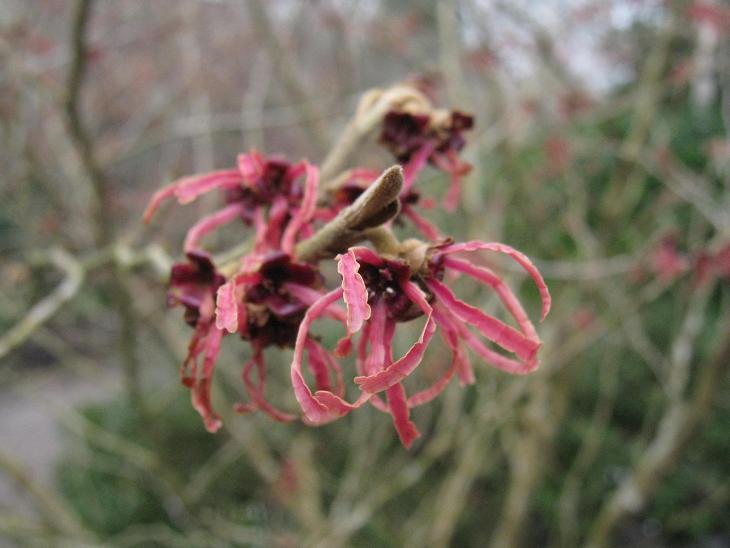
x,y
399,410
416,164
354,292
251,166
424,226
400,369
189,188
508,298
200,394
518,256
305,212
226,307
209,223
451,336
257,391
495,330
493,358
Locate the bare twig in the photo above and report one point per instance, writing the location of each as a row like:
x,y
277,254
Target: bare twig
x,y
378,204
103,213
570,496
678,425
42,311
72,102
76,270
52,510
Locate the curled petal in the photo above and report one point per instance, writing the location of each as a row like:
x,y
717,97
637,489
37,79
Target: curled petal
x,y
518,256
451,164
428,394
338,407
251,166
493,358
308,296
189,188
256,391
398,370
496,330
399,410
397,405
323,406
374,333
354,292
447,322
188,369
424,226
269,237
260,230
416,164
366,255
305,212
157,198
451,200
451,336
226,307
318,365
380,337
211,222
506,295
202,385
314,410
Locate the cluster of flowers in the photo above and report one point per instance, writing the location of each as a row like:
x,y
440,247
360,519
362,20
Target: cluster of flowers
x,y
272,296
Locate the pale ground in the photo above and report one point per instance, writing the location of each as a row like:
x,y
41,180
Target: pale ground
x,y
30,416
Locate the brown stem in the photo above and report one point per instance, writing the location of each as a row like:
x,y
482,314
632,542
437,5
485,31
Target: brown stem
x,y
377,205
102,211
371,110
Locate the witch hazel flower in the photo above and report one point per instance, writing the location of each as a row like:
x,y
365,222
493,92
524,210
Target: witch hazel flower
x,y
193,285
380,291
267,193
264,304
265,299
435,137
273,294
